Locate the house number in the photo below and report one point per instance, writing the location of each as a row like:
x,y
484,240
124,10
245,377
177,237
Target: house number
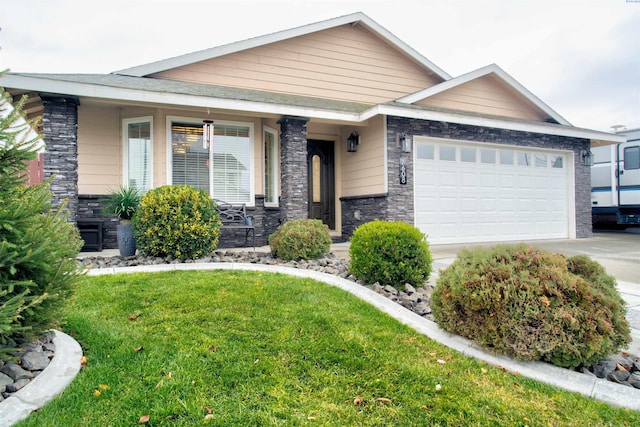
x,y
403,172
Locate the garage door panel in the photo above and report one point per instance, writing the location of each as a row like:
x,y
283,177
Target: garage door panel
x,y
465,201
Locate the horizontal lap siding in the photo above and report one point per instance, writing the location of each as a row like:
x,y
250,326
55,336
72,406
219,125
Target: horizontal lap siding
x,y
344,63
99,155
363,171
484,95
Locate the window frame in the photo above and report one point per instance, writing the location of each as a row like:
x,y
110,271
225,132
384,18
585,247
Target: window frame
x,y
125,148
275,188
170,120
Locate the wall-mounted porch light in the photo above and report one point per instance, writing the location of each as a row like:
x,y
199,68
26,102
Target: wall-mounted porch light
x,y
587,157
207,133
404,142
352,142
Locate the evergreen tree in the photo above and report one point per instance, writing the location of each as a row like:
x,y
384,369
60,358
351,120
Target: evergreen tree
x,y
38,247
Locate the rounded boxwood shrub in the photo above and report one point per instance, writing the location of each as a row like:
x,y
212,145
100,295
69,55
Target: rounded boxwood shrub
x,y
390,253
532,305
300,239
178,221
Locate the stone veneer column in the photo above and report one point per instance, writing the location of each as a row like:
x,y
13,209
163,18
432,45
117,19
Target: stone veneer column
x,y
294,198
60,127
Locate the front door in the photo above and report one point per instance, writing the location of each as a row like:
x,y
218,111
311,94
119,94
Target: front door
x,y
321,182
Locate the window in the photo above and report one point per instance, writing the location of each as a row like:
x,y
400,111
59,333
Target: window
x,y
506,157
270,168
487,156
557,161
447,153
424,151
632,158
524,159
138,154
468,154
224,169
541,160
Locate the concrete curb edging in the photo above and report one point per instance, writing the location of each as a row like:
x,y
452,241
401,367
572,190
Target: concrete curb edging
x,y
590,386
62,369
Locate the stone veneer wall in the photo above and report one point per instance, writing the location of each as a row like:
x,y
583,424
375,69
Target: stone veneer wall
x,y
60,128
510,137
359,210
294,194
90,208
266,221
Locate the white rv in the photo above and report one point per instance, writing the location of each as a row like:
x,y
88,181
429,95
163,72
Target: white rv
x,y
615,182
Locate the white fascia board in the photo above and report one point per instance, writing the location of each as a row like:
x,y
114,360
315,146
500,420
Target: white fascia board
x,y
203,55
570,131
480,72
132,95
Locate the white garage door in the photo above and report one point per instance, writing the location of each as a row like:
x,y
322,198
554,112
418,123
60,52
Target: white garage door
x,y
481,193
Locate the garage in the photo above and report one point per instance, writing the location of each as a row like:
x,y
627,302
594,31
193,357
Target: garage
x,y
477,192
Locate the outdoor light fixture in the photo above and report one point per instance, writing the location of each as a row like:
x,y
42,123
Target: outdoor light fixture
x,y
404,141
207,133
587,158
352,142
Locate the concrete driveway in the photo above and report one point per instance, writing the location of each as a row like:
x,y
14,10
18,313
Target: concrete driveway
x,y
617,251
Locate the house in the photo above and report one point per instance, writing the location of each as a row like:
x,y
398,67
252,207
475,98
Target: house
x,y
338,120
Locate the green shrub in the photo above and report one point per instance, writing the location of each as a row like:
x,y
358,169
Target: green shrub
x,y
532,305
300,239
177,221
391,253
38,247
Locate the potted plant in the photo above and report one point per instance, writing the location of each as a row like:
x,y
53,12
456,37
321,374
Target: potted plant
x,y
123,203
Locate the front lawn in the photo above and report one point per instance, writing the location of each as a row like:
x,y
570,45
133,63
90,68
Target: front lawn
x,y
235,348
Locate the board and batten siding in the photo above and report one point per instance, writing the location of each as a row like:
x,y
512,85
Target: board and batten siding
x,y
486,96
99,152
363,172
346,63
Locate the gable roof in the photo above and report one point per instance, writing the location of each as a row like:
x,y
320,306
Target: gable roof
x,y
493,70
358,18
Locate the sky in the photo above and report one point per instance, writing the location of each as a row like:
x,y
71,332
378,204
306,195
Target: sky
x,y
582,58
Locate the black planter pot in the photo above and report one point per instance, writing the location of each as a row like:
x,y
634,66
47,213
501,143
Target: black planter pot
x,y
126,241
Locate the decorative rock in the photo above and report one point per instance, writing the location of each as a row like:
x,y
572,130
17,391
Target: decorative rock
x,y
603,368
634,379
391,290
409,289
15,372
35,360
5,380
619,376
12,388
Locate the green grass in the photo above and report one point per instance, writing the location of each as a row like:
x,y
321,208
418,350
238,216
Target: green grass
x,y
268,349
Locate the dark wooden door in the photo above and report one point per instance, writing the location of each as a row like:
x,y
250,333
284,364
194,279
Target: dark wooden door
x,y
322,198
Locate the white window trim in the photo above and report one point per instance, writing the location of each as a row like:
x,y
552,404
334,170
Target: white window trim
x,y
276,179
198,122
125,147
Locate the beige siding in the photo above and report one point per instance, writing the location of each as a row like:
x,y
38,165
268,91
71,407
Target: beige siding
x,y
99,149
363,172
344,63
487,96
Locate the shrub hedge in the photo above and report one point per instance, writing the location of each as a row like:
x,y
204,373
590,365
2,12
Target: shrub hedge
x,y
532,305
300,239
178,221
390,253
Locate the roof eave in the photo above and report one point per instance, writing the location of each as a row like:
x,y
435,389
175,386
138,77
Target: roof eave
x,y
193,101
